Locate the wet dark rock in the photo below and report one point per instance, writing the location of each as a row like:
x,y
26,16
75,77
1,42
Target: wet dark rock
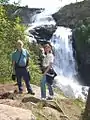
x,y
30,99
7,95
43,33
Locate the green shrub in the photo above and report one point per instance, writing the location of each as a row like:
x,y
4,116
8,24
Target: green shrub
x,y
10,31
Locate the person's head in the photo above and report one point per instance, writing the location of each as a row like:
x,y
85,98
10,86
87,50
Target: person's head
x,y
19,44
47,48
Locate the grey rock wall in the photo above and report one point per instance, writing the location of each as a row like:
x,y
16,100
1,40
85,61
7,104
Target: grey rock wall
x,y
70,15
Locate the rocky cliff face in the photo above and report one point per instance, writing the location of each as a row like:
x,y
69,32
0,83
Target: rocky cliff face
x,y
74,16
69,15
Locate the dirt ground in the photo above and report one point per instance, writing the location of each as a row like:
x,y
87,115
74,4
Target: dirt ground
x,y
60,108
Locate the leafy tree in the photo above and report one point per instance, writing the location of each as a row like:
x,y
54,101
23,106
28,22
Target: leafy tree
x,y
10,31
35,63
4,1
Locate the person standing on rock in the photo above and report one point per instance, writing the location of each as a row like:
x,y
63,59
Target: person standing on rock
x,y
20,60
47,66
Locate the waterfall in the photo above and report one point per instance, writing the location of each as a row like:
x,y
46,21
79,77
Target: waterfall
x,y
63,52
64,63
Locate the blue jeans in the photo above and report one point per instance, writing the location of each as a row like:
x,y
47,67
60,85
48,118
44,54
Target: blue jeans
x,y
23,73
43,88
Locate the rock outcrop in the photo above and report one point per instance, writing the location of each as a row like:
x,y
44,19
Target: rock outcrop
x,y
23,105
69,15
13,113
43,32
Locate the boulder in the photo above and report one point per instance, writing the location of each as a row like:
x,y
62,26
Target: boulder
x,y
13,113
43,32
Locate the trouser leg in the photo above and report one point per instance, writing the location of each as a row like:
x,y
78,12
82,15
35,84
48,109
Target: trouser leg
x,y
43,87
50,89
27,80
19,82
19,79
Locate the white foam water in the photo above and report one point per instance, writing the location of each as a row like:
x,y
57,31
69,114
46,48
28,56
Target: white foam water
x,y
65,65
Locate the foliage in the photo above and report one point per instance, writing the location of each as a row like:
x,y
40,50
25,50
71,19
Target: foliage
x,y
10,31
4,1
34,63
81,42
82,33
80,103
35,73
82,36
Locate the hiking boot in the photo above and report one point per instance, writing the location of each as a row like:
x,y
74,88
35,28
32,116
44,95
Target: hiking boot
x,y
43,98
50,98
31,92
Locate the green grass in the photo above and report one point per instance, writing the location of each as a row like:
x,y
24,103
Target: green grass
x,y
79,103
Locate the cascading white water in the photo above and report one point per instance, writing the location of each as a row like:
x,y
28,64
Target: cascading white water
x,y
63,52
64,63
43,18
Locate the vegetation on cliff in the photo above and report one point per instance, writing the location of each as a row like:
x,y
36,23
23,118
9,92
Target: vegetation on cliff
x,y
70,15
81,44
